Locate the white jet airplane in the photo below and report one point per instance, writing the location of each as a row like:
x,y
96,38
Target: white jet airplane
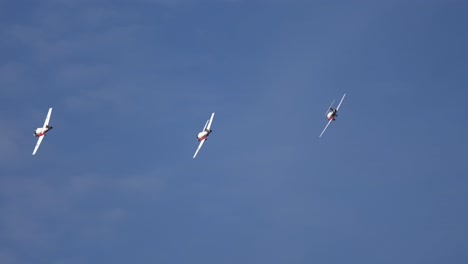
x,y
203,135
42,131
332,114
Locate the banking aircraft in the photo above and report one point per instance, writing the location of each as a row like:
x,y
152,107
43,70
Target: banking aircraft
x,y
203,135
331,114
42,131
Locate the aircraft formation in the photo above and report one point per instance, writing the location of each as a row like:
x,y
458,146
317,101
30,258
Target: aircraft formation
x,y
202,136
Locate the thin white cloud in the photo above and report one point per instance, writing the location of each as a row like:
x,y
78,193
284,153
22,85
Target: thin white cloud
x,y
9,146
71,43
41,212
7,257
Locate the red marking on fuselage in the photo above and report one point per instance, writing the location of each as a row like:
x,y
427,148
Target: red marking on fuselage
x,y
41,134
202,138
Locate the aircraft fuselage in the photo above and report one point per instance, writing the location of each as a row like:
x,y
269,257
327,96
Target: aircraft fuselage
x,y
332,114
203,135
41,131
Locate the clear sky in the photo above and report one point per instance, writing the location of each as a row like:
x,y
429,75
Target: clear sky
x,y
133,82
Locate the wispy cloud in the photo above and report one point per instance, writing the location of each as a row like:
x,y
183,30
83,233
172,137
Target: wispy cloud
x,y
9,146
40,213
7,257
72,43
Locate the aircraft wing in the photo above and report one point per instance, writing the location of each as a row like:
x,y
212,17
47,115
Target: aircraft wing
x,y
39,140
328,109
340,102
48,118
326,127
211,121
206,124
199,147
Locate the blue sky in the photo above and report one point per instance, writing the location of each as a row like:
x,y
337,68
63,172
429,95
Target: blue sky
x,y
132,83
